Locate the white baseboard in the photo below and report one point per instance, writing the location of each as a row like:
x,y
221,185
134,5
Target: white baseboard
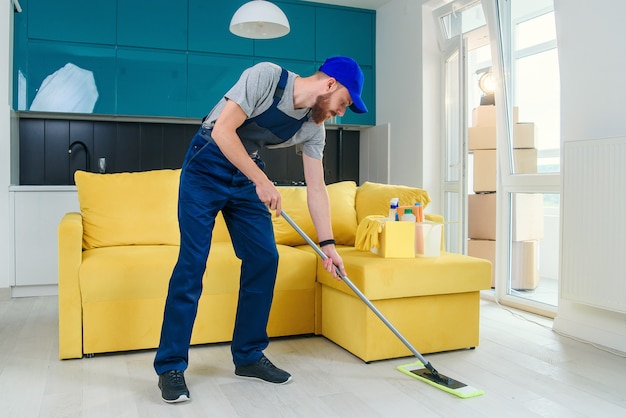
x,y
34,291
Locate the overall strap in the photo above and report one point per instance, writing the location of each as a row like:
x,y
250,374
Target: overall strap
x,y
280,88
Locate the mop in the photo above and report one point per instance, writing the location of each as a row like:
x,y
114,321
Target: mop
x,y
422,369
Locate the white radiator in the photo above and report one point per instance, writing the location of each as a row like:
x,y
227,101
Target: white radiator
x,y
593,261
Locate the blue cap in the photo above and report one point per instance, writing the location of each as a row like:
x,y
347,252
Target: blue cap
x,y
346,71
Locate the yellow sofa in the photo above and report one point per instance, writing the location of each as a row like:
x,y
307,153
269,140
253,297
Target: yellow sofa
x,y
117,254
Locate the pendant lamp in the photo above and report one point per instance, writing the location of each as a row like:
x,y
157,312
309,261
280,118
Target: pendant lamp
x,y
259,19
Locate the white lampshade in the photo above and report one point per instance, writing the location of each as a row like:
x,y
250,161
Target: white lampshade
x,y
259,19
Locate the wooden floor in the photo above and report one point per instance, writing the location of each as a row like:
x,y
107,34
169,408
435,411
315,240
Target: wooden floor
x,y
525,369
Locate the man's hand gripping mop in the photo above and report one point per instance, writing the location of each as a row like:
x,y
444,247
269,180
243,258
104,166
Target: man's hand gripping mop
x,y
421,369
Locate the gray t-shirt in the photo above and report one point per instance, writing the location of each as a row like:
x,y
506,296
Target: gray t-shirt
x,y
254,93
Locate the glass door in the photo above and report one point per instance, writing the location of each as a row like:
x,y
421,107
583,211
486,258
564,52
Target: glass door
x,y
454,185
501,144
528,201
463,36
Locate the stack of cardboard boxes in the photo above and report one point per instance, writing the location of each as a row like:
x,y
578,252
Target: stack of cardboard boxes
x,y
527,208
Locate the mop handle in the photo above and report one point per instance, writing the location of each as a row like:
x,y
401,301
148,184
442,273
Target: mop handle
x,y
356,290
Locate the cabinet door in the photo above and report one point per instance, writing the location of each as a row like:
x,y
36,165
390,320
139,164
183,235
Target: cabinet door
x,y
158,24
209,28
345,32
341,156
151,82
352,35
299,43
47,58
210,77
36,217
92,21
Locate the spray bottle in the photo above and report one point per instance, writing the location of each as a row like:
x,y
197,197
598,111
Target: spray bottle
x,y
393,209
418,211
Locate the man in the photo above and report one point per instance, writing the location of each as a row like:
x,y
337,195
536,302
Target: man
x,y
268,106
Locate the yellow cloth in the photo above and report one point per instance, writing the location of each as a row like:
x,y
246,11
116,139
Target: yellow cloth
x,y
367,232
373,198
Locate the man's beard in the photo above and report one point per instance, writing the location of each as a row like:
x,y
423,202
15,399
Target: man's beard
x,y
319,111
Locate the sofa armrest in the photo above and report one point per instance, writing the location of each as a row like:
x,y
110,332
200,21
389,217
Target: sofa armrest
x,y
433,217
70,240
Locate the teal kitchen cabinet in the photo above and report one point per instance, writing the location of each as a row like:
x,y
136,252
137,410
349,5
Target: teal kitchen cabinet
x,y
92,21
209,78
345,32
46,58
209,32
151,82
353,35
174,58
159,24
299,43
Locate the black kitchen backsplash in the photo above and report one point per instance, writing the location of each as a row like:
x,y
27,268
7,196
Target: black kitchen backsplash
x,y
128,146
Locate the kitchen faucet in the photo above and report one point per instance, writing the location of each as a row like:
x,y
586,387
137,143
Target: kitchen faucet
x,y
87,155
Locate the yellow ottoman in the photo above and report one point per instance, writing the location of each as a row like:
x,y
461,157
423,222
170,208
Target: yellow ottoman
x,y
433,302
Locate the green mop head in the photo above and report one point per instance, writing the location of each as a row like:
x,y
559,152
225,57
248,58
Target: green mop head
x,y
419,371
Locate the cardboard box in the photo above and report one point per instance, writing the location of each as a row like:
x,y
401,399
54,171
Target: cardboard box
x,y
481,137
525,161
397,240
525,265
524,257
484,137
486,115
481,215
484,171
526,216
524,135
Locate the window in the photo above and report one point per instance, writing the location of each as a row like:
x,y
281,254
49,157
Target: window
x,y
535,79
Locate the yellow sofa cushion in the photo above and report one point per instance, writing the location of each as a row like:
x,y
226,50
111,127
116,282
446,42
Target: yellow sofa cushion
x,y
123,291
373,198
137,208
137,272
380,278
128,208
294,202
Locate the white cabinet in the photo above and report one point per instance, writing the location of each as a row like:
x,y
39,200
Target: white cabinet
x,y
36,212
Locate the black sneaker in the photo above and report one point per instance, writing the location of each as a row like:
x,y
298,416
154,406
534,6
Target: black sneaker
x,y
263,369
173,387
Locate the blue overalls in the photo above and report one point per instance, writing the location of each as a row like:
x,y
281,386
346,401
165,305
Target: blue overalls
x,y
210,183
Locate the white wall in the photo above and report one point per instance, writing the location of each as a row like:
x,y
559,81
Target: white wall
x,y
6,34
398,87
407,94
590,38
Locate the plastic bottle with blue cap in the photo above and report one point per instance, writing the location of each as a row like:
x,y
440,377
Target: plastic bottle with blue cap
x,y
393,209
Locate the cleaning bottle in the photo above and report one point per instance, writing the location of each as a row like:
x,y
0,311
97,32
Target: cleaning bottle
x,y
408,216
419,212
393,209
